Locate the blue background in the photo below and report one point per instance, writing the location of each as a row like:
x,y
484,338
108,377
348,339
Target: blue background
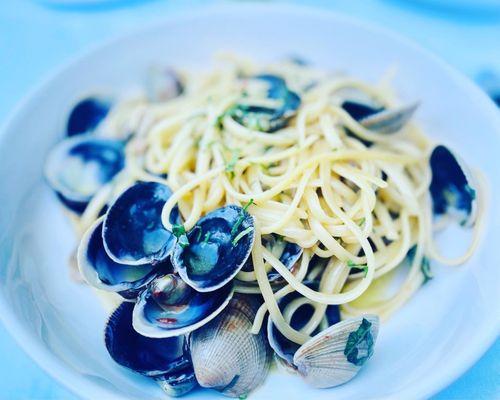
x,y
36,35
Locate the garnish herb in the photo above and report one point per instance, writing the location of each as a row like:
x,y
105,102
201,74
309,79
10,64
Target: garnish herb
x,y
241,235
241,217
199,232
359,346
364,268
425,267
178,230
362,222
180,233
235,155
207,237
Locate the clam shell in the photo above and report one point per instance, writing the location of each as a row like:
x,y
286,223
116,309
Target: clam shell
x,y
453,186
390,121
226,356
333,356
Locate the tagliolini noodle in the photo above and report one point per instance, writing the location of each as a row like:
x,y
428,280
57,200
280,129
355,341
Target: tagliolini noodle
x,y
315,183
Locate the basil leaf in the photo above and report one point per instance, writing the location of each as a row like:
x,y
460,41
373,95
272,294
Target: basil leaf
x,y
359,346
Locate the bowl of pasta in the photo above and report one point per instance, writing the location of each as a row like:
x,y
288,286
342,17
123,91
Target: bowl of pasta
x,y
252,200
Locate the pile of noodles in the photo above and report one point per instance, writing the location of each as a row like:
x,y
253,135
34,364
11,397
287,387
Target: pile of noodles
x,y
357,199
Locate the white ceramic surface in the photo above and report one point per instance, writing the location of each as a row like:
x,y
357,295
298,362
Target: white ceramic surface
x,y
441,332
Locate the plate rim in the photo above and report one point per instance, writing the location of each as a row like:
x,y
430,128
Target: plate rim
x,y
79,385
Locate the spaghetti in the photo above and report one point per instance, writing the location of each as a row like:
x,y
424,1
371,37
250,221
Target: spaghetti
x,y
353,196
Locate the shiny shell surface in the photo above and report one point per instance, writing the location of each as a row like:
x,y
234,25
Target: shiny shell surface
x,y
169,307
216,249
133,233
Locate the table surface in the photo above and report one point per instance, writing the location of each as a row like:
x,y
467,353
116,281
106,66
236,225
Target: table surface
x,y
37,35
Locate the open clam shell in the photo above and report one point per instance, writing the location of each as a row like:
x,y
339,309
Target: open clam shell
x,y
133,233
226,355
287,252
87,114
103,273
166,360
452,186
79,166
380,119
217,248
169,307
335,355
285,349
269,119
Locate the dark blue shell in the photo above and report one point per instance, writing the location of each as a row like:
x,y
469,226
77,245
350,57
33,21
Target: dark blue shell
x,y
86,115
284,348
450,188
358,111
211,259
269,119
133,232
103,273
169,307
288,256
79,166
150,357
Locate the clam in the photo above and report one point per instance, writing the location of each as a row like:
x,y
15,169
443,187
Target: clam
x,y
86,115
452,186
103,273
380,119
287,252
163,84
133,233
169,307
217,247
226,355
165,360
335,355
285,349
79,166
268,119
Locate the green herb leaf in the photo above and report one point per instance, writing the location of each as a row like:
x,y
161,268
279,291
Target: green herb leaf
x,y
199,232
241,235
362,222
425,267
362,267
359,346
179,232
235,155
207,237
240,219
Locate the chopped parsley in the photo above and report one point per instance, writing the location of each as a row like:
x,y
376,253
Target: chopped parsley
x,y
241,217
425,267
241,235
179,232
359,346
207,237
362,267
362,222
235,155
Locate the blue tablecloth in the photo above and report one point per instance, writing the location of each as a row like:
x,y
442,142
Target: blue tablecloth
x,y
35,37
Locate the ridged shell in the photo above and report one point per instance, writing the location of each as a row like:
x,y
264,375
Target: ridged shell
x,y
335,355
226,356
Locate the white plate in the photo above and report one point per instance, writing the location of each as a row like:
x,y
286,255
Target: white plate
x,y
440,333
